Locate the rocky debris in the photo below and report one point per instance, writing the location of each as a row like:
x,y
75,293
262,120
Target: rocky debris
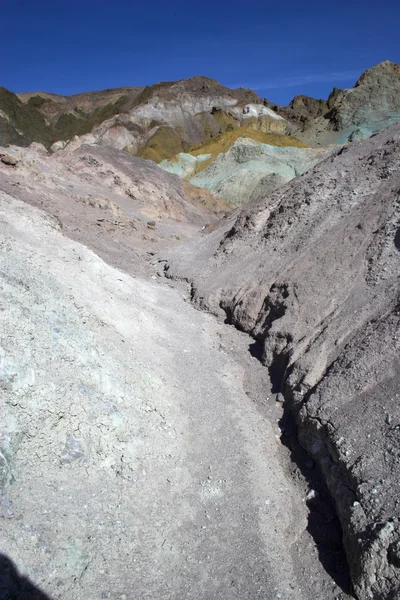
x,y
60,145
312,273
8,160
102,203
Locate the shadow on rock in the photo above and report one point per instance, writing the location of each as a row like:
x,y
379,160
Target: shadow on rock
x,y
14,586
323,523
397,239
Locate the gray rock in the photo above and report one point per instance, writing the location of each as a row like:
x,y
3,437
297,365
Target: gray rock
x,y
358,112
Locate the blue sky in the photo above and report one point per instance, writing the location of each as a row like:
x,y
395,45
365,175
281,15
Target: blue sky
x,y
277,48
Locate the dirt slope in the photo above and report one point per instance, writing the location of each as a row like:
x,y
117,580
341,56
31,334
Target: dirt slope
x,y
124,207
134,459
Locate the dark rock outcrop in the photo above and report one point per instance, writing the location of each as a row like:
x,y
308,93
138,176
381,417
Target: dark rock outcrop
x,y
372,104
302,110
21,123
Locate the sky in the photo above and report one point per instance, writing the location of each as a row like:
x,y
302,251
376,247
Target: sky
x,y
278,48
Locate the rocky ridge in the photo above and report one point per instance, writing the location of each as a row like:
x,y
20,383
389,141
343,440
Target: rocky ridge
x,y
187,111
359,112
159,121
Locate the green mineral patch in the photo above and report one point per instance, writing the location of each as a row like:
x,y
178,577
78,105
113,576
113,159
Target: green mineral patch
x,y
223,142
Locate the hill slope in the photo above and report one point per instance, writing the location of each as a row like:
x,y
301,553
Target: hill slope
x,y
312,273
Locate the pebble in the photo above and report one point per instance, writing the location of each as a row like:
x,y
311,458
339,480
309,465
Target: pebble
x,y
312,494
9,160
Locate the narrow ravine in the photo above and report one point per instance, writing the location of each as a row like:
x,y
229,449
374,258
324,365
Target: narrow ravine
x,y
141,446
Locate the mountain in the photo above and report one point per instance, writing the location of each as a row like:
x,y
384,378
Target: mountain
x,y
359,112
302,110
21,123
159,121
169,118
347,115
188,111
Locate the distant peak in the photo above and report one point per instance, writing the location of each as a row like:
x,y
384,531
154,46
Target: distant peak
x,y
200,79
386,68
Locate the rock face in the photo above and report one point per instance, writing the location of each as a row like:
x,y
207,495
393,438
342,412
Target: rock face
x,y
262,118
8,160
372,104
21,123
312,273
301,110
243,169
